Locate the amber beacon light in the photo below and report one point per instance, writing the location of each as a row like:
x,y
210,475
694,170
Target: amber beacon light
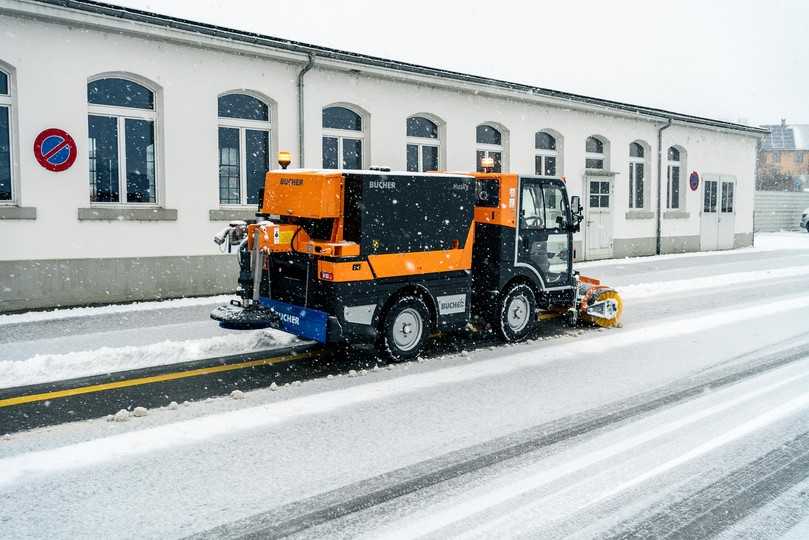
x,y
284,159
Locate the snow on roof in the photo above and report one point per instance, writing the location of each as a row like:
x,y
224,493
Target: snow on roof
x,y
786,137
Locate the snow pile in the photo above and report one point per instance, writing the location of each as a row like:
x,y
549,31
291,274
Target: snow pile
x,y
70,313
662,288
53,367
782,240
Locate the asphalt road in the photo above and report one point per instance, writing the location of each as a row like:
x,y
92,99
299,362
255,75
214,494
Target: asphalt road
x,y
690,421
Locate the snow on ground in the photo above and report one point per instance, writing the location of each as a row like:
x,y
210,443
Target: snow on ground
x,y
661,288
776,241
53,367
69,313
126,445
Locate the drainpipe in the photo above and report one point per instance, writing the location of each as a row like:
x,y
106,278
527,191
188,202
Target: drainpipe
x,y
660,183
301,74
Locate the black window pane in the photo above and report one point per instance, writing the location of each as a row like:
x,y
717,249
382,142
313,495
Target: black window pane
x,y
243,106
675,187
341,118
257,161
429,158
140,161
538,165
120,93
594,200
674,154
498,161
488,135
594,146
636,150
412,157
639,185
229,166
3,83
352,154
329,152
550,166
545,141
103,153
418,126
594,163
5,155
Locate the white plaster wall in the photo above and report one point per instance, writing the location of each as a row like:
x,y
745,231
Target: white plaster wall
x,y
54,61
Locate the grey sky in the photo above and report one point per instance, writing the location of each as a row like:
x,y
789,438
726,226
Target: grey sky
x,y
725,59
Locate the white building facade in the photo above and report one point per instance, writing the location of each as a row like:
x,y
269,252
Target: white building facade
x,y
175,123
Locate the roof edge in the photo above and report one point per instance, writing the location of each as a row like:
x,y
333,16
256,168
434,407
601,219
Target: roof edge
x,y
167,21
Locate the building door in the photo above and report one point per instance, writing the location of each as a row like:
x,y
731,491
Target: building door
x,y
718,219
598,218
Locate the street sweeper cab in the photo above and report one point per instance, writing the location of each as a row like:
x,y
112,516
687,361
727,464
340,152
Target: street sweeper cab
x,y
393,257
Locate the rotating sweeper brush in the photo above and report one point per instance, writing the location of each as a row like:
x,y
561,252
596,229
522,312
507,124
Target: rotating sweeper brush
x,y
598,304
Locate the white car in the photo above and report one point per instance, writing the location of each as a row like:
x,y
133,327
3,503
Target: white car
x,y
805,220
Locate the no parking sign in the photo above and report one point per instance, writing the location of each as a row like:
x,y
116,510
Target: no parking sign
x,y
55,149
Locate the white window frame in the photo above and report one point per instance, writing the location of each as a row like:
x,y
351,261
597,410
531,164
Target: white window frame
x,y
121,114
7,101
341,134
681,165
544,153
243,124
424,141
487,148
596,155
634,161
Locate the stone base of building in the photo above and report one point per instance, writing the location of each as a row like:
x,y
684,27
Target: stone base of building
x,y
52,283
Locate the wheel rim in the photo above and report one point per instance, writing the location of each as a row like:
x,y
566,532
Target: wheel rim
x,y
407,329
517,313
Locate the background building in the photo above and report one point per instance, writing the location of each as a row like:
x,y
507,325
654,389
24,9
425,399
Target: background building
x,y
782,177
175,123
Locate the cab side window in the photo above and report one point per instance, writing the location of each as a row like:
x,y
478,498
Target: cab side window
x,y
531,212
554,207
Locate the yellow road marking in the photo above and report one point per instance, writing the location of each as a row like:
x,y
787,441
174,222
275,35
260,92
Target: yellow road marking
x,y
153,379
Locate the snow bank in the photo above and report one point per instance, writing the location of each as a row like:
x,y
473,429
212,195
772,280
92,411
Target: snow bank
x,y
197,430
786,240
662,288
69,313
54,367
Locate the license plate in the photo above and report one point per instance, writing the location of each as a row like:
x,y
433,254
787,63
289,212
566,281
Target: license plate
x,y
301,321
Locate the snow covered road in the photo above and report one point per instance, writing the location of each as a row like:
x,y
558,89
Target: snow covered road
x,y
700,402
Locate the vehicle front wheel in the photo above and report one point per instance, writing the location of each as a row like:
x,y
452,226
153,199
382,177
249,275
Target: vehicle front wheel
x,y
405,328
517,309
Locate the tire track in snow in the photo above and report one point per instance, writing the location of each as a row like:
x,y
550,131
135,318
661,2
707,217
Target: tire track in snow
x,y
321,509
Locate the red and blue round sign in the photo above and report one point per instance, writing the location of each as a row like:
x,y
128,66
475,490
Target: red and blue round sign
x,y
693,181
55,149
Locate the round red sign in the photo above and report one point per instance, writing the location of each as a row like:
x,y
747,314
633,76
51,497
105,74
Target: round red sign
x,y
693,180
55,149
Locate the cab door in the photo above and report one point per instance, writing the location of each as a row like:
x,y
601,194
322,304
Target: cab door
x,y
543,234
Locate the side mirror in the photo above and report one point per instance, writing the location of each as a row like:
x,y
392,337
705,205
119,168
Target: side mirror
x,y
576,212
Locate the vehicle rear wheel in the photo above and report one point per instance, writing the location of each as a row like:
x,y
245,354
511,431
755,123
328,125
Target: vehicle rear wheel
x,y
405,328
517,312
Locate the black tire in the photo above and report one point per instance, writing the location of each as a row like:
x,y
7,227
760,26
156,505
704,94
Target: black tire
x,y
405,316
807,227
516,312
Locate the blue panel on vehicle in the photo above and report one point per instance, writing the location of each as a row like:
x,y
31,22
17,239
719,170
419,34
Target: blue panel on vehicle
x,y
303,322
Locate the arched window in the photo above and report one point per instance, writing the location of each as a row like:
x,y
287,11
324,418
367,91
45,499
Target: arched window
x,y
675,194
545,154
244,147
489,144
637,175
423,144
121,148
342,138
6,184
595,154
